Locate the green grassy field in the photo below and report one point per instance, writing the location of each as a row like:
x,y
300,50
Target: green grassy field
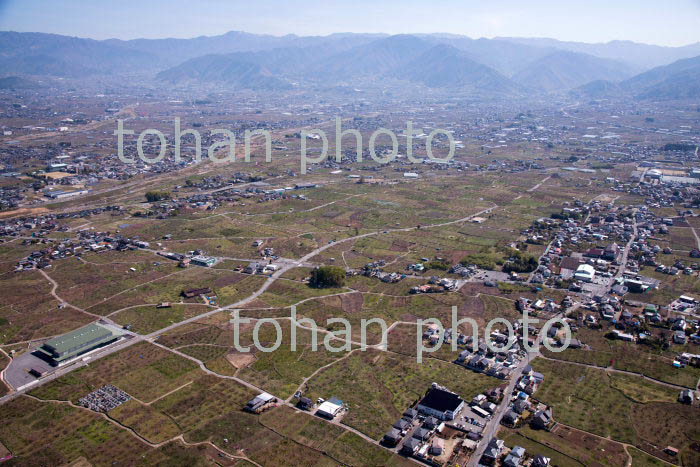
x,y
337,443
623,408
147,319
45,433
385,384
635,358
142,370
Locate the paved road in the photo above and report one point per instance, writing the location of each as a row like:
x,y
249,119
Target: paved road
x,y
626,252
493,424
120,345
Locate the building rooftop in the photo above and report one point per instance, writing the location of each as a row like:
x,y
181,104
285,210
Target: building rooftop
x,y
441,400
76,342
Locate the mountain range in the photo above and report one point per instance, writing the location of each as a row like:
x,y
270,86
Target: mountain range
x,y
441,61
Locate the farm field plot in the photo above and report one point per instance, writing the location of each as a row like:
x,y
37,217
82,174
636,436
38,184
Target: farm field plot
x,y
668,424
386,384
597,402
533,446
642,459
284,293
46,433
88,284
682,238
146,421
26,316
143,370
336,442
228,286
635,358
572,447
357,306
280,371
146,319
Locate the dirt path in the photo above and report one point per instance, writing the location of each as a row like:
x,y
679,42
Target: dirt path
x,y
625,445
54,286
697,238
179,438
534,188
255,388
168,393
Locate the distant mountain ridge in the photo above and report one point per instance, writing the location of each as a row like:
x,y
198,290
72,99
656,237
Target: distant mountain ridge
x,y
444,66
566,70
56,55
252,61
400,57
644,56
679,80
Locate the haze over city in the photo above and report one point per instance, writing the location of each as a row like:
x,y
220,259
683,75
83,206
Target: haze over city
x,y
592,21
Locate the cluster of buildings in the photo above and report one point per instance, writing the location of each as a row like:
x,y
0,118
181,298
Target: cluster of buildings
x,y
86,240
328,409
498,453
435,285
195,257
489,360
637,322
421,431
523,408
375,269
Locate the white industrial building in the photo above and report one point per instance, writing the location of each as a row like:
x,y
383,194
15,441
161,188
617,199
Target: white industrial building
x,y
585,273
329,409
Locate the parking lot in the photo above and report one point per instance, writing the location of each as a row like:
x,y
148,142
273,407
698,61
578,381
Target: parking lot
x,y
17,373
468,419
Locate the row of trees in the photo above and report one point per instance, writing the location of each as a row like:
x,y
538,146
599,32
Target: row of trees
x,y
327,276
153,196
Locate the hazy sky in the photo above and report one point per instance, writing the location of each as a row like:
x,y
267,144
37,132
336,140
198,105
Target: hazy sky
x,y
663,22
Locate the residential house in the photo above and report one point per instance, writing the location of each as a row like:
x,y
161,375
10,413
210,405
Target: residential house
x,y
438,447
441,404
410,414
679,337
421,434
493,451
402,424
411,446
305,403
510,418
259,401
542,419
430,423
392,437
515,457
